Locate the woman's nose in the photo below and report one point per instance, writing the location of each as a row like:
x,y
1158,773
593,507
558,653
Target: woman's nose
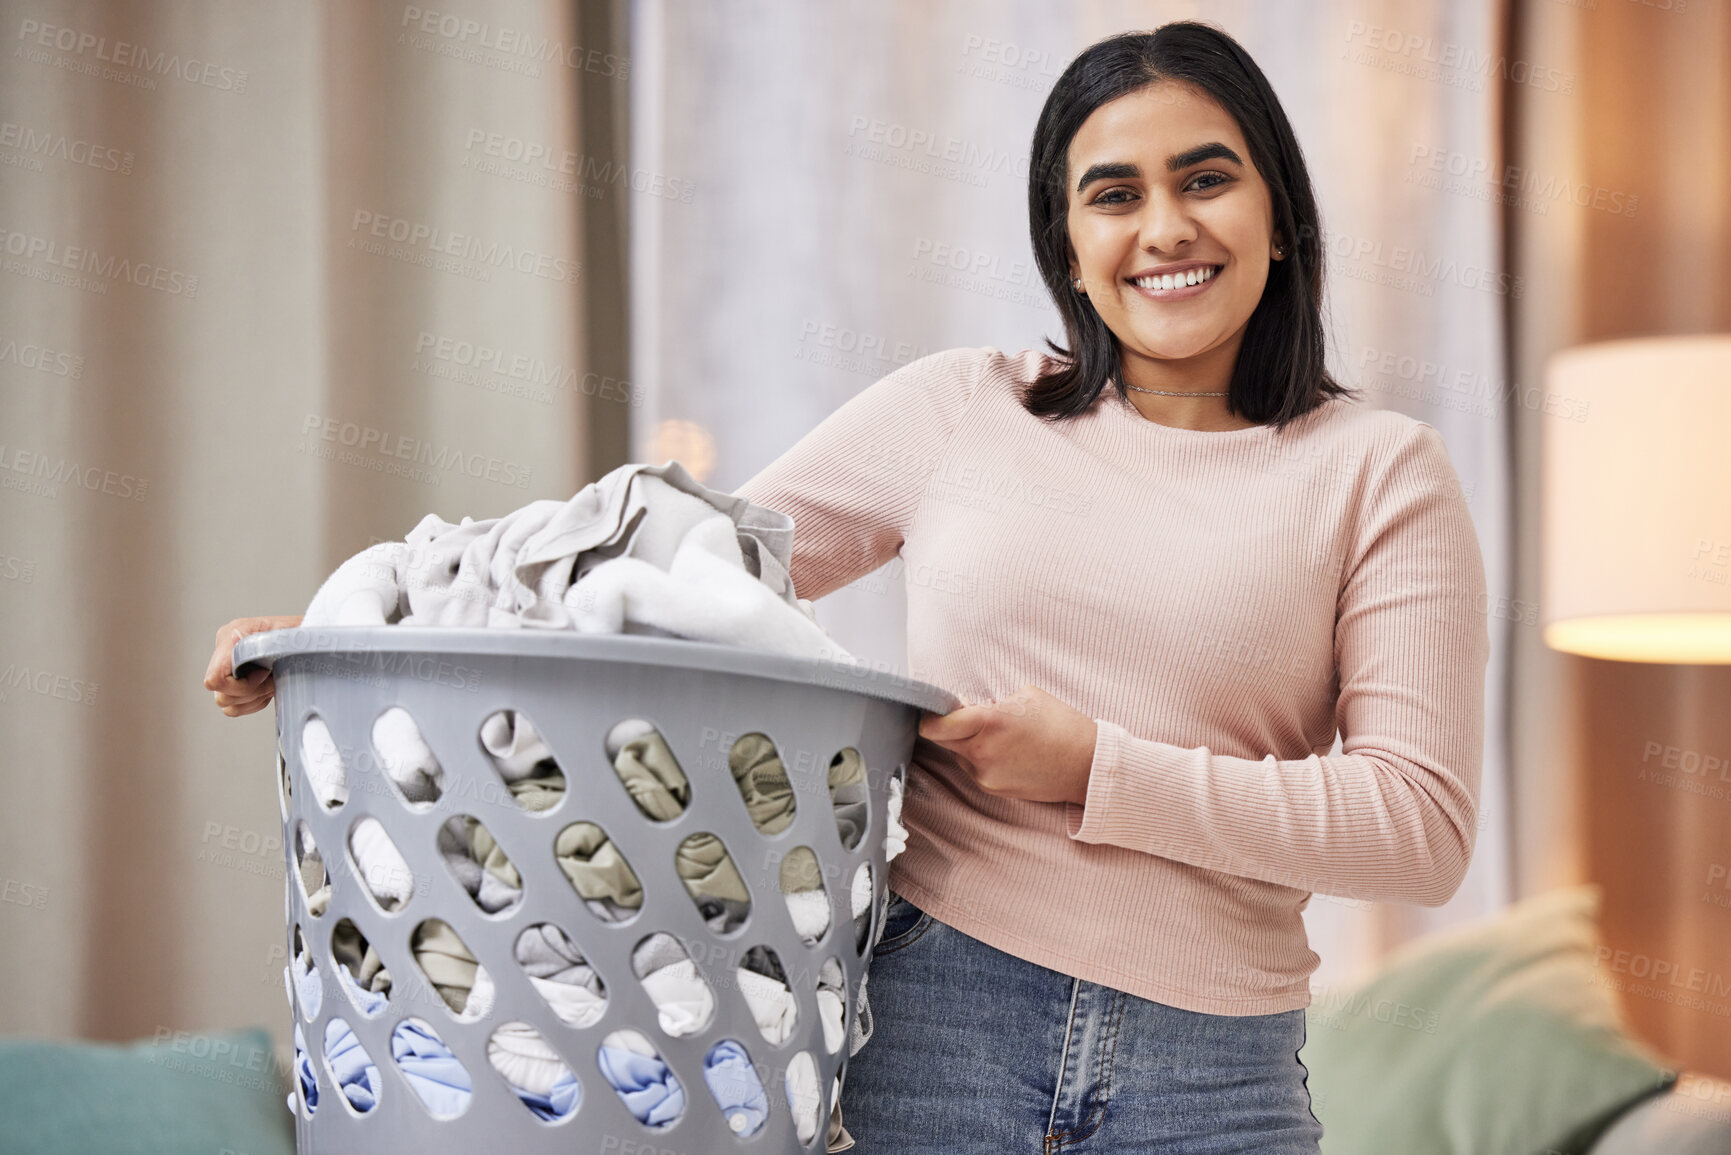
x,y
1165,224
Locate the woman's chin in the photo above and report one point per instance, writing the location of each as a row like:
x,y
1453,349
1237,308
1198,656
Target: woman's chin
x,y
1174,347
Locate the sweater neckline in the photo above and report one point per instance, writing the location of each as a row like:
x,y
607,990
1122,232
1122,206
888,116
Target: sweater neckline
x,y
1131,413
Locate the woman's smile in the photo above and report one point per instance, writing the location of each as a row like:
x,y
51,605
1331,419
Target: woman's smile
x,y
1175,282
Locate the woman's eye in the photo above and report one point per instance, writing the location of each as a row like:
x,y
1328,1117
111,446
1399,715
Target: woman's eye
x,y
1208,180
1113,196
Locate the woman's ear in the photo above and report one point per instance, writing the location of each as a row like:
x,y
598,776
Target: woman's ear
x,y
1277,247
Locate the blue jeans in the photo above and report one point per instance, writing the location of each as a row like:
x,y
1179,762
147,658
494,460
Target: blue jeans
x,y
975,1050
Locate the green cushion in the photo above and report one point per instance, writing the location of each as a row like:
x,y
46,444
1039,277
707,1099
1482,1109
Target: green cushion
x,y
1488,1039
181,1093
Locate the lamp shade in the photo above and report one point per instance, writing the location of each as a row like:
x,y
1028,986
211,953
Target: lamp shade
x,y
1637,501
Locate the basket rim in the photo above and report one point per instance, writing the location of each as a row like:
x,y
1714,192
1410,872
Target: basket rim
x,y
270,646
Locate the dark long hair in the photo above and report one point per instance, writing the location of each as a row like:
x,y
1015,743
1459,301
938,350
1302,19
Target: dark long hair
x,y
1280,373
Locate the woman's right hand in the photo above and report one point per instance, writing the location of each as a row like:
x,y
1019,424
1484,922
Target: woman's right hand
x,y
237,696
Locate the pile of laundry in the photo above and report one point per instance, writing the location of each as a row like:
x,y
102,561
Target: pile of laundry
x,y
646,550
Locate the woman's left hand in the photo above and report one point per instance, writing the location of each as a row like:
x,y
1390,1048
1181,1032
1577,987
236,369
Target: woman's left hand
x,y
1029,745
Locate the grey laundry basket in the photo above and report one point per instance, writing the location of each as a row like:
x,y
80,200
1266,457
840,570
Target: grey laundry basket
x,y
575,688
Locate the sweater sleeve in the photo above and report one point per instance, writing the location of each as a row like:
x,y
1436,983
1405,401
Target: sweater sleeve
x,y
855,482
1393,817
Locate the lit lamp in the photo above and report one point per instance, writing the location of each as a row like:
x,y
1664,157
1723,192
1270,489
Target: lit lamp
x,y
1637,501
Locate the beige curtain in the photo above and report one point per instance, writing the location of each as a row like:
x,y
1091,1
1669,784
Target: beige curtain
x,y
1619,219
280,279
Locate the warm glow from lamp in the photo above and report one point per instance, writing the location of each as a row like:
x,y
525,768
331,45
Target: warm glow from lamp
x,y
1637,501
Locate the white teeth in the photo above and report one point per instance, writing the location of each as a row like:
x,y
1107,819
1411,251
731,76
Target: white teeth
x,y
1167,281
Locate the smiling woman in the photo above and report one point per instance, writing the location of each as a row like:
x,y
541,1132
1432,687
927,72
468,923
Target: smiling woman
x,y
1173,220
1094,938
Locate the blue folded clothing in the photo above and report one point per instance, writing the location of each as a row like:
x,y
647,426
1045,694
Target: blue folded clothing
x,y
647,1085
431,1069
351,1066
734,1083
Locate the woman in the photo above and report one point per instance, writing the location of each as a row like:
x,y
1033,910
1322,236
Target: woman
x,y
1164,564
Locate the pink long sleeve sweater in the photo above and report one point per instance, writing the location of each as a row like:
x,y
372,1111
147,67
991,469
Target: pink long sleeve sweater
x,y
1219,602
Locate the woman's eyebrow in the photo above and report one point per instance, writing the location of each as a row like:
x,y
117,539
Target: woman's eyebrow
x,y
1119,170
1115,170
1213,150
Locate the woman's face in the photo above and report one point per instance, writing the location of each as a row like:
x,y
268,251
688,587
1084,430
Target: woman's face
x,y
1171,226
